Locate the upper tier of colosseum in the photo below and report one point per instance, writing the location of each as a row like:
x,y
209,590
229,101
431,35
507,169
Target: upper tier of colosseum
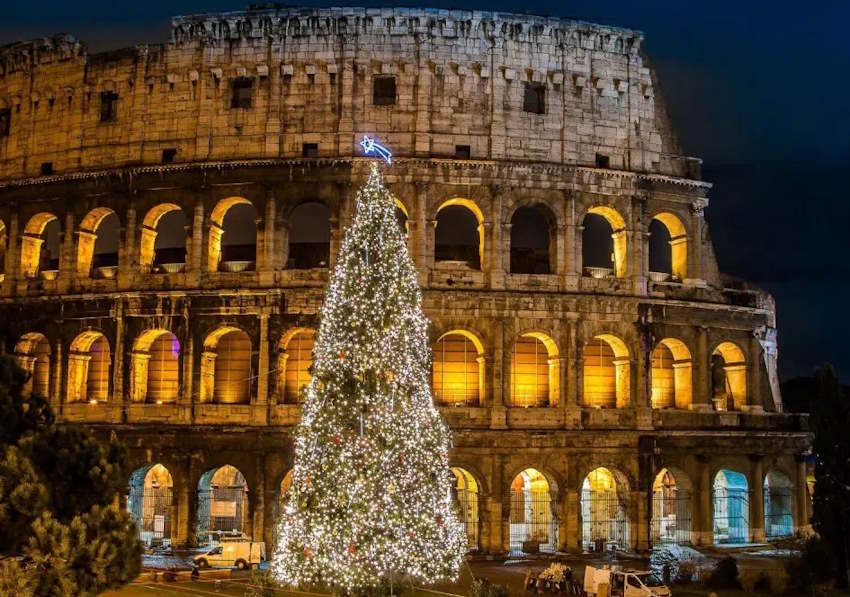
x,y
290,82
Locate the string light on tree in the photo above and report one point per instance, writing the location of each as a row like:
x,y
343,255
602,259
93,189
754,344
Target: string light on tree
x,y
370,498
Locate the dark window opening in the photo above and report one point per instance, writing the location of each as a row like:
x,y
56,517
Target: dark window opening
x,y
530,241
597,245
333,78
401,219
456,238
239,239
310,150
50,103
242,91
309,236
660,252
106,244
311,78
46,168
168,155
49,256
5,122
534,98
462,152
603,161
383,91
108,106
170,244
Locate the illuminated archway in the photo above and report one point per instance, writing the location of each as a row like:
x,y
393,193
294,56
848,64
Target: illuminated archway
x,y
778,501
32,353
730,495
604,516
532,238
155,368
458,369
97,243
618,241
40,245
294,362
461,237
89,363
226,367
670,253
222,504
150,503
671,508
671,375
234,230
532,517
162,247
465,495
606,373
729,377
535,371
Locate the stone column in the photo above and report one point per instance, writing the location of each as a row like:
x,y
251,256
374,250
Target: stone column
x,y
197,254
118,356
260,252
497,406
801,497
336,239
184,525
420,229
57,385
67,254
695,248
756,491
127,254
12,261
188,364
704,528
755,368
259,501
701,398
264,370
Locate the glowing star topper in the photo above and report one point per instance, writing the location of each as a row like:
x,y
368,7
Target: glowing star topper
x,y
370,146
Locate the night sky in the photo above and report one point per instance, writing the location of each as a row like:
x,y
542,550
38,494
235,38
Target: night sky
x,y
760,90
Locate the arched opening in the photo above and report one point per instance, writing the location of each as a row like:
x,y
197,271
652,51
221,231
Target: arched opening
x,y
32,353
309,236
728,377
604,517
606,373
671,508
532,249
778,496
294,364
40,247
163,240
4,239
730,495
89,363
671,375
459,236
150,502
668,247
226,367
232,236
280,503
465,496
458,369
222,504
535,371
402,217
97,244
155,368
532,522
604,243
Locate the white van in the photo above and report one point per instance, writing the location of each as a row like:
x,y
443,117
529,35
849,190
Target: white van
x,y
624,583
229,554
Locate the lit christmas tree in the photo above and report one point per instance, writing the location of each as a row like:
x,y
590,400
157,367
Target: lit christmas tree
x,y
370,496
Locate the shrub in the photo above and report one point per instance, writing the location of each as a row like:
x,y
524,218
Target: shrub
x,y
814,563
762,584
724,575
481,587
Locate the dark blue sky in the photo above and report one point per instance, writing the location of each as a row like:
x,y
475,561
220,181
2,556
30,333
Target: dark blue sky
x,y
760,90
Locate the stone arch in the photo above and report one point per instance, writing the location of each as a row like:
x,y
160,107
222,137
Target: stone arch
x,y
728,377
223,505
295,361
778,505
155,367
241,246
97,243
535,371
672,250
309,234
226,368
448,246
41,232
533,239
606,374
32,353
731,501
150,503
604,510
89,368
158,254
458,369
466,494
532,516
672,499
591,238
671,375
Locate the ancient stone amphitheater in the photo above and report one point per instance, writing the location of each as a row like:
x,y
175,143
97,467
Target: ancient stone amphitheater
x,y
169,214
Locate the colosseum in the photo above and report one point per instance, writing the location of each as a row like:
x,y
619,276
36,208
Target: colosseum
x,y
169,214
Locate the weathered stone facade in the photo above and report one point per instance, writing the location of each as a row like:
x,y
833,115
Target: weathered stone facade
x,y
88,135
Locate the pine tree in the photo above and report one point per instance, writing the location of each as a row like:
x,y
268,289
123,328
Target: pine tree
x,y
370,496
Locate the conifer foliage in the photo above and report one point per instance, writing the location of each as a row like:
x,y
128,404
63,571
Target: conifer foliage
x,y
370,499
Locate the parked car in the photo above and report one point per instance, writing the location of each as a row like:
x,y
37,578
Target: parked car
x,y
230,554
624,583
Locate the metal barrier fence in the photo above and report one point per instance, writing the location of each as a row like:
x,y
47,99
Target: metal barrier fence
x,y
604,522
671,517
778,521
731,515
467,504
223,509
150,508
532,522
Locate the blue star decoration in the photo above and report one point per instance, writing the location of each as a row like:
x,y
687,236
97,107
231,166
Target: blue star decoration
x,y
370,146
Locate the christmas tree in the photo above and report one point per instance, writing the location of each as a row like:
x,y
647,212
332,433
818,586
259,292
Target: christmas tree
x,y
370,499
